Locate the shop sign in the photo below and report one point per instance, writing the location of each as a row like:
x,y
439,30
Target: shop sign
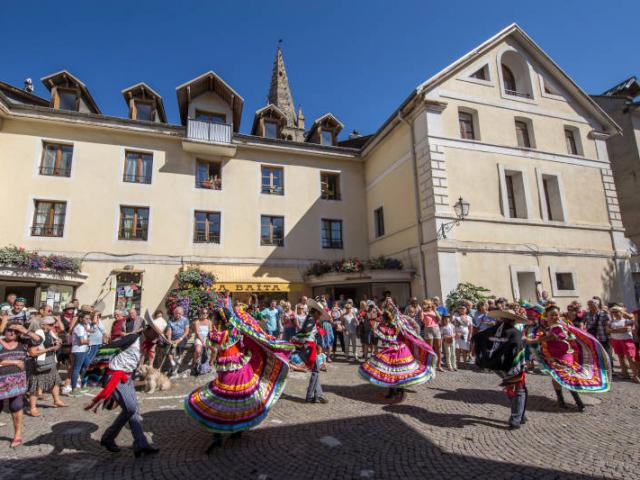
x,y
252,287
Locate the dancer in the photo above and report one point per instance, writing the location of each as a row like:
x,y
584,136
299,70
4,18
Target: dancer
x,y
574,359
252,368
119,387
500,348
403,358
307,342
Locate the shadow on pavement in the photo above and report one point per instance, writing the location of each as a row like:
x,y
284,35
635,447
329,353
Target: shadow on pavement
x,y
445,420
535,403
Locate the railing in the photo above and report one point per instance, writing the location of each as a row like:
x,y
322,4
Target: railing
x,y
40,230
136,178
275,190
55,172
337,244
202,237
329,195
517,94
208,132
130,234
274,241
211,184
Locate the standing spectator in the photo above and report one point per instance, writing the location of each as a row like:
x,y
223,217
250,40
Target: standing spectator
x,y
350,322
132,321
270,316
462,328
288,321
80,349
338,328
414,311
303,302
596,322
18,312
202,327
13,378
327,338
482,320
621,331
11,299
575,314
448,343
42,372
440,307
432,335
178,335
118,327
299,317
97,337
370,320
341,301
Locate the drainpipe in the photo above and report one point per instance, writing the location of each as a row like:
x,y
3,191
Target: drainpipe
x,y
414,170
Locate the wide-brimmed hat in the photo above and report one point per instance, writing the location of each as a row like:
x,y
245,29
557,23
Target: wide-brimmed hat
x,y
313,305
159,325
69,306
509,315
48,321
86,309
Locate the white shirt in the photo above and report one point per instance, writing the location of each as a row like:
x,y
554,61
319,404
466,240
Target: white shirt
x,y
623,322
446,330
128,359
79,333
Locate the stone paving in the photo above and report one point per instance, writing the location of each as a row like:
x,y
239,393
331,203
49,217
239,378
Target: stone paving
x,y
453,427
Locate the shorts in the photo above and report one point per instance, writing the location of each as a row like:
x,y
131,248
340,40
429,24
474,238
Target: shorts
x,y
431,333
624,348
16,404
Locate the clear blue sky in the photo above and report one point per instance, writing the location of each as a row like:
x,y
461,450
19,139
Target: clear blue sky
x,y
356,59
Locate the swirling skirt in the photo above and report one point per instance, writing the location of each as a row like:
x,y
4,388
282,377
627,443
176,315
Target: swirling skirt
x,y
394,367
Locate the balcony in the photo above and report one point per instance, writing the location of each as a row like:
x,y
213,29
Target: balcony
x,y
517,94
201,236
208,138
136,178
139,234
55,171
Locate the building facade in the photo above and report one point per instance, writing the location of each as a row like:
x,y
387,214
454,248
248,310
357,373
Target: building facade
x,y
137,199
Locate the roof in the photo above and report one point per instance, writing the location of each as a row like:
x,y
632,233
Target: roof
x,y
55,79
629,88
22,96
209,82
327,117
534,50
268,108
146,90
355,142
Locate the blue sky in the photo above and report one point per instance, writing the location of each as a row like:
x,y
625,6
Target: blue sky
x,y
356,59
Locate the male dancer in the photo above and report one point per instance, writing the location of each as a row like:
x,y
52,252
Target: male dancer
x,y
501,348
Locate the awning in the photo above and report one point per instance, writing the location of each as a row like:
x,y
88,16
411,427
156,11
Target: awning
x,y
41,276
255,279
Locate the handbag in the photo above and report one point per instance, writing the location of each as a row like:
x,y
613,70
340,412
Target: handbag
x,y
43,366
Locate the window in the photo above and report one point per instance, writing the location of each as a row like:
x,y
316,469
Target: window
x,y
331,233
513,194
378,221
128,290
465,119
563,282
134,223
67,99
326,137
522,134
48,219
329,186
273,180
210,117
208,175
509,80
270,129
482,74
142,110
271,231
56,160
206,227
137,168
552,198
571,137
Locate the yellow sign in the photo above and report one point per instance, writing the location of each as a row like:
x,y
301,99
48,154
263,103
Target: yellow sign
x,y
255,287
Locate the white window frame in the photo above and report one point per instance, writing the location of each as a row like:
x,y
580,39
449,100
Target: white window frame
x,y
515,270
540,173
504,202
554,283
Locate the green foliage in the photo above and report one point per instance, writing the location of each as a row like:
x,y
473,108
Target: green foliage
x,y
467,291
31,260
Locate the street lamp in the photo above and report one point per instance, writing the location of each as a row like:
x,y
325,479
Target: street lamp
x,y
461,209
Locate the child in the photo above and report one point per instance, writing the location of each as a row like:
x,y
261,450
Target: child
x,y
621,331
448,345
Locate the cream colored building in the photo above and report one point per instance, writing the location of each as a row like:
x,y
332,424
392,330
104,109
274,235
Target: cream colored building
x,y
137,198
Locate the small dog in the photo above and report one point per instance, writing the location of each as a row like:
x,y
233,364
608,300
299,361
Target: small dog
x,y
154,379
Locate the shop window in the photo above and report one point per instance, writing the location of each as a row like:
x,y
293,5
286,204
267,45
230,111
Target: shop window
x,y
272,231
209,175
137,168
272,180
134,223
48,219
330,186
331,234
206,227
56,296
128,290
56,160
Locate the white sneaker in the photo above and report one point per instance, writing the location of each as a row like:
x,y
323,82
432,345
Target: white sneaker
x,y
66,390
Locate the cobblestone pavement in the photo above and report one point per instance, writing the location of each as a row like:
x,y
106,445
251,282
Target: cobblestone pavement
x,y
453,427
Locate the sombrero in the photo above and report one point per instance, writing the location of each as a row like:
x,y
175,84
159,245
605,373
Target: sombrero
x,y
158,325
508,314
314,305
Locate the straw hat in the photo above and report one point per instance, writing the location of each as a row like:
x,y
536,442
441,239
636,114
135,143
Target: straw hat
x,y
159,325
313,305
509,315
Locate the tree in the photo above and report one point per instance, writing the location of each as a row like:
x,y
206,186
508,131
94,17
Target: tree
x,y
467,291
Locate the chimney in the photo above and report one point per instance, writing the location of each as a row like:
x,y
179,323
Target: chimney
x,y
28,85
354,134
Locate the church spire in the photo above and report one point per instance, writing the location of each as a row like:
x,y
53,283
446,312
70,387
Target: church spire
x,y
279,91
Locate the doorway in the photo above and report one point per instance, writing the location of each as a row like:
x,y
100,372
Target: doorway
x,y
527,286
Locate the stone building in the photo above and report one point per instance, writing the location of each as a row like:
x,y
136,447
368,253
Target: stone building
x,y
138,198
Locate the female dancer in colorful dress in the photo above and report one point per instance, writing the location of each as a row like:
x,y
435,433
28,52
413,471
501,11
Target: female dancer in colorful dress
x,y
574,359
252,367
403,358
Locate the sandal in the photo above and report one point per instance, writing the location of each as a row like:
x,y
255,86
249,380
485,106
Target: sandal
x,y
60,405
15,442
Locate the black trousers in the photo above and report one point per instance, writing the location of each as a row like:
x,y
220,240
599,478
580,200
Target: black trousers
x,y
338,336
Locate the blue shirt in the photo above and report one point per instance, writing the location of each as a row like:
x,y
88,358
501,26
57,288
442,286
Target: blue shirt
x,y
442,310
482,321
178,326
271,319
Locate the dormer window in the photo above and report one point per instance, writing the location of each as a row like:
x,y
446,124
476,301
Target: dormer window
x,y
144,103
66,99
324,130
210,117
142,110
270,129
326,137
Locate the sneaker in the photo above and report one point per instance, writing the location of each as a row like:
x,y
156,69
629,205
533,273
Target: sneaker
x,y
66,390
75,393
321,400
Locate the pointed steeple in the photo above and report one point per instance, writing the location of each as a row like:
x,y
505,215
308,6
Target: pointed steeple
x,y
279,91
